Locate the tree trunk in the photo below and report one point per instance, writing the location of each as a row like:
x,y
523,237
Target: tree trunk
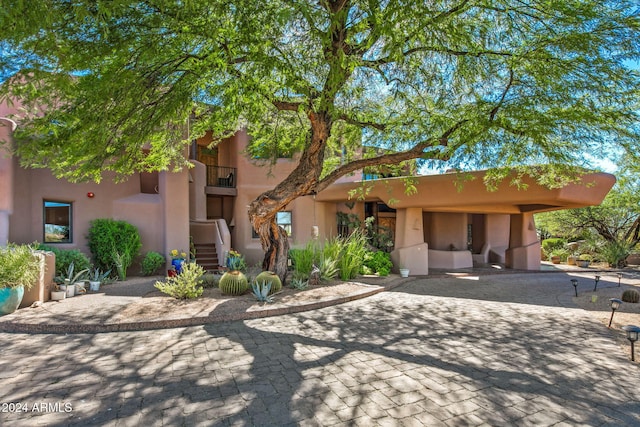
x,y
302,181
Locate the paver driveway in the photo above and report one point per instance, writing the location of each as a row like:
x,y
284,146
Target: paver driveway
x,y
501,350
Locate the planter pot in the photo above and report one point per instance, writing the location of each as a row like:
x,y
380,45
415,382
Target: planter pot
x,y
571,260
555,259
404,272
69,290
177,264
94,286
80,288
58,295
10,299
582,263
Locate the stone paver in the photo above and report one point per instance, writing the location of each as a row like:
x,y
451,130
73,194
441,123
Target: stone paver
x,y
499,350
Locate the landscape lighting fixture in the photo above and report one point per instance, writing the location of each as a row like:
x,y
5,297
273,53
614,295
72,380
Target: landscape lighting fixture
x,y
615,304
632,335
619,278
574,282
597,280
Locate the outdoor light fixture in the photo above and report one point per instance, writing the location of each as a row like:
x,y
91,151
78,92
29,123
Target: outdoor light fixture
x,y
597,280
632,335
615,304
619,278
574,282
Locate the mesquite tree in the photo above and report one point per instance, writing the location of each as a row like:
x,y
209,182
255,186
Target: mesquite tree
x,y
478,83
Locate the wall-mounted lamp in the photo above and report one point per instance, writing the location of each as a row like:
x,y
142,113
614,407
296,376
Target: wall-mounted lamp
x,y
90,195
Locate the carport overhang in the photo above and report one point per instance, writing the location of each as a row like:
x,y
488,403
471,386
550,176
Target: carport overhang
x,y
451,192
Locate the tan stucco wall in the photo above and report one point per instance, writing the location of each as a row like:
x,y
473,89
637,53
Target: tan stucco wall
x,y
447,230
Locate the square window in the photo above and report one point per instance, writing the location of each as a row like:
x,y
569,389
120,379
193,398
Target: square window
x,y
57,222
283,219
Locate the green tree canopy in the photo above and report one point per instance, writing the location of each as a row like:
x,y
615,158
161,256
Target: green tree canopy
x,y
111,85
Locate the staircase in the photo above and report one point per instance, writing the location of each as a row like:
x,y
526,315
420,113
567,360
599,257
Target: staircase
x,y
207,257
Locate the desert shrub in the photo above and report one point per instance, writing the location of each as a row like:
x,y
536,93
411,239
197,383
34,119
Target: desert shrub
x,y
66,257
377,263
113,244
352,255
151,262
304,259
631,295
329,269
615,253
210,280
186,285
299,283
270,278
233,283
554,243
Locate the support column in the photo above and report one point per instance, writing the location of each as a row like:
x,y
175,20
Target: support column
x,y
410,251
524,246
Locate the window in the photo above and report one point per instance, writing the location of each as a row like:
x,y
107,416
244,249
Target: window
x,y
283,219
57,222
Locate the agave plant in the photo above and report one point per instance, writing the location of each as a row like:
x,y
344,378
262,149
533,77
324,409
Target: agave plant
x,y
261,291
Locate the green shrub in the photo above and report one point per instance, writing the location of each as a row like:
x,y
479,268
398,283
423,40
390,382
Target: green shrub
x,y
615,253
352,255
554,243
233,283
113,244
210,280
270,278
631,295
377,263
328,269
151,262
66,257
18,266
186,285
304,259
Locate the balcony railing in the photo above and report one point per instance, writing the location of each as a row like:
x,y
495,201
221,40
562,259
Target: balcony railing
x,y
221,176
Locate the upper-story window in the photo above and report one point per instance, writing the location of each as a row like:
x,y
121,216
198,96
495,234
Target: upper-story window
x,y
57,222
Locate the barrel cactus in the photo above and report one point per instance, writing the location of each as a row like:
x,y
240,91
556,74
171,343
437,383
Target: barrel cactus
x,y
270,277
233,283
630,295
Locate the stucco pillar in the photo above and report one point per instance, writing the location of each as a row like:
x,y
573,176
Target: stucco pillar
x,y
6,179
524,246
197,195
410,249
174,191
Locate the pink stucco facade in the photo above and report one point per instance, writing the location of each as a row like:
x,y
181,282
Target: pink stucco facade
x,y
440,226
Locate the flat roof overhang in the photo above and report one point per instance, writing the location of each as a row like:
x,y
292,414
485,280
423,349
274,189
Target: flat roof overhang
x,y
443,193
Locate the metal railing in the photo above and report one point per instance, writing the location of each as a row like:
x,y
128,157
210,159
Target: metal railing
x,y
221,176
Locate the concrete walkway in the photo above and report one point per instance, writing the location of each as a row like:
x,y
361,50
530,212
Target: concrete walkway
x,y
498,350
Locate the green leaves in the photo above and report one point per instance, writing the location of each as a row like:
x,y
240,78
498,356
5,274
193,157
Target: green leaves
x,y
114,85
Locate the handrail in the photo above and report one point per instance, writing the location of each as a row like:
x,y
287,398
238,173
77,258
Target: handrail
x,y
222,240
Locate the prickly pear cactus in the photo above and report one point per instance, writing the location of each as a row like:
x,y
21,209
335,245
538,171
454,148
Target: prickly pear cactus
x,y
233,283
630,295
270,277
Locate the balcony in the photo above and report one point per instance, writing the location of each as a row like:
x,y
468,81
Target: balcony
x,y
221,180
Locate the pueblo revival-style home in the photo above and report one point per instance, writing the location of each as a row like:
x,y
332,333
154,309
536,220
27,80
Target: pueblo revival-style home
x,y
439,227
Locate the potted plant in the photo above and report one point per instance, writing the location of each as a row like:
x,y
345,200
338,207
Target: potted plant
x,y
235,261
58,294
96,278
68,281
19,269
584,260
177,259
